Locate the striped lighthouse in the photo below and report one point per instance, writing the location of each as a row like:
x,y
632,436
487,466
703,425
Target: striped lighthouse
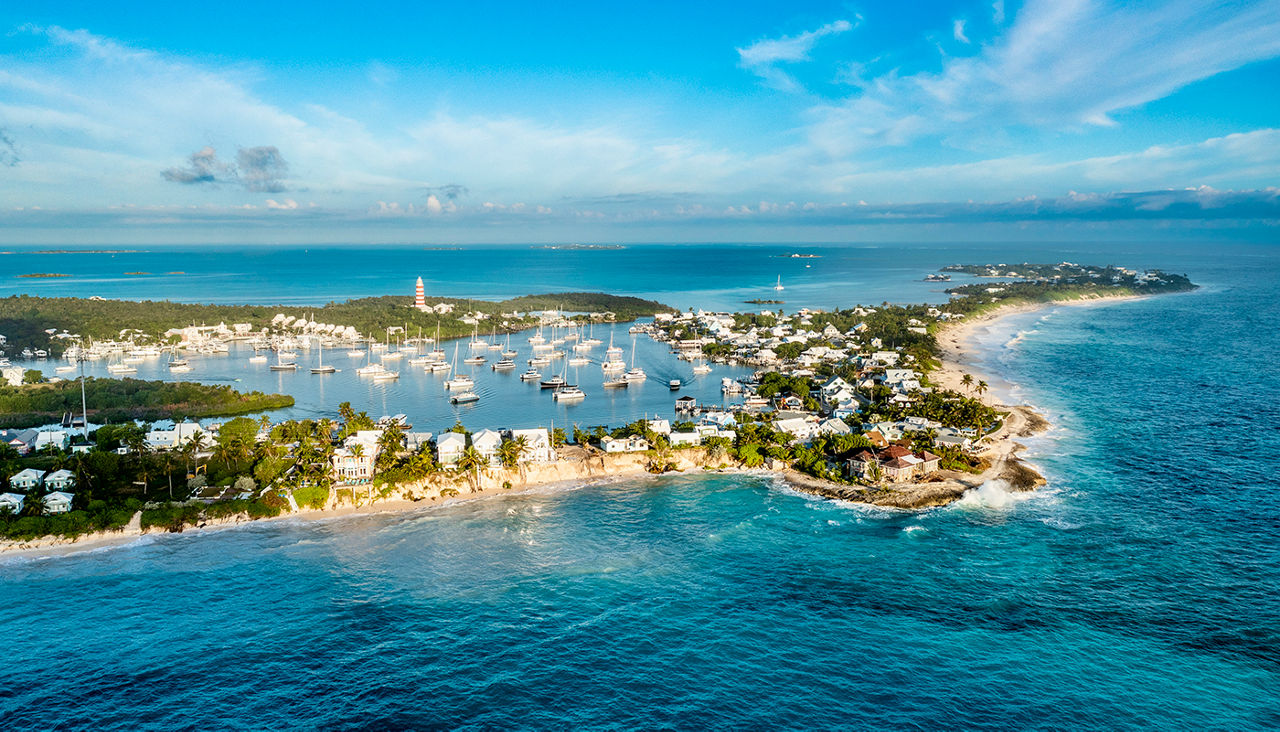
x,y
419,297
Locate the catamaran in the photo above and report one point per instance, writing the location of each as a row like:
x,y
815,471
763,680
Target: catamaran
x,y
494,345
569,393
461,381
465,397
778,286
282,365
531,375
613,362
419,358
504,364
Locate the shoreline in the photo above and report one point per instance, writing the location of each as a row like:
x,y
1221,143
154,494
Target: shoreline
x,y
957,356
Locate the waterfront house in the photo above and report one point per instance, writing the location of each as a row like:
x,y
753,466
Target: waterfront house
x,y
538,448
486,442
26,479
60,480
801,429
685,439
351,464
449,447
12,376
833,426
634,443
58,502
659,426
686,405
721,419
12,503
24,441
895,463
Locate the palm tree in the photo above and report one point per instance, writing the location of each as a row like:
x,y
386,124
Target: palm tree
x,y
982,388
967,380
473,463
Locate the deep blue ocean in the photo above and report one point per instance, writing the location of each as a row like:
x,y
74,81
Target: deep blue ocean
x,y
1141,589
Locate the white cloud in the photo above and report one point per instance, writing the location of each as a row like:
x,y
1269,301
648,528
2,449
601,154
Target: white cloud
x,y
762,57
957,30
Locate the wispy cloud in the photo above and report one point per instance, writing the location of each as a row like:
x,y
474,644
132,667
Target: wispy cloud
x,y
259,169
763,57
957,30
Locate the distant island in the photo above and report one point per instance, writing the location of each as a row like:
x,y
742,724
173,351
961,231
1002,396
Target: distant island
x,y
40,275
799,256
580,247
761,301
88,251
25,320
137,273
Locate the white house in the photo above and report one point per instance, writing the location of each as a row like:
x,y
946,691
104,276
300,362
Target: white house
x,y
539,445
798,427
171,439
354,461
57,502
28,479
11,503
57,439
449,447
834,426
660,426
635,443
720,419
681,439
486,442
60,480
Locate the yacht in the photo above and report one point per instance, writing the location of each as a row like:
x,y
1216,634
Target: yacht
x,y
494,345
702,368
674,385
461,381
438,367
64,369
465,397
505,364
284,366
356,353
615,384
579,361
121,368
370,369
259,358
531,375
555,381
385,375
539,361
569,393
636,373
180,369
778,287
473,360
320,368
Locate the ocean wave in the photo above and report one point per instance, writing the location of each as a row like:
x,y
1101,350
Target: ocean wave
x,y
993,494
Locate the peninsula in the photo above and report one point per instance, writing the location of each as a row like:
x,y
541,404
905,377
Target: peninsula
x,y
879,405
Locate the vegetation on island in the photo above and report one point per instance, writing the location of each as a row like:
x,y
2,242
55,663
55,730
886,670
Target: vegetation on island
x,y
120,400
25,320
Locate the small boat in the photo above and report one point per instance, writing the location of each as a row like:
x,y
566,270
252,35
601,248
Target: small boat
x,y
465,397
65,369
385,375
371,369
438,367
531,375
509,354
674,385
613,365
257,359
392,356
183,369
539,361
121,368
356,353
937,278
616,384
569,393
779,286
284,366
702,368
636,374
505,364
174,363
554,381
473,360
579,361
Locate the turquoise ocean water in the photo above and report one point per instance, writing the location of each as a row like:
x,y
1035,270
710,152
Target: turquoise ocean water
x,y
1140,590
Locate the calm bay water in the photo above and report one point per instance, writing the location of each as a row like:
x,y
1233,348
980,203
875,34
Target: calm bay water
x,y
1138,591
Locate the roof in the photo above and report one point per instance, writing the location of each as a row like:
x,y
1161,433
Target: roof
x,y
894,451
449,438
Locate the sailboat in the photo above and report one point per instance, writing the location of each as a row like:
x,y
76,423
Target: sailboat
x,y
419,357
283,365
461,381
509,352
613,362
779,286
591,337
636,373
438,353
494,345
320,368
370,369
390,354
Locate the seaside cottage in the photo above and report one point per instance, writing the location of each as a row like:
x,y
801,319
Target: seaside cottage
x,y
12,503
685,439
27,479
895,464
634,443
24,441
486,442
449,447
539,448
58,502
60,480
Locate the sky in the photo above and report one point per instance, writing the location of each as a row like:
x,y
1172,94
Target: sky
x,y
743,121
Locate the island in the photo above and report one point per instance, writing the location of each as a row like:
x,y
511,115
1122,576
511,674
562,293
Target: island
x,y
872,404
42,275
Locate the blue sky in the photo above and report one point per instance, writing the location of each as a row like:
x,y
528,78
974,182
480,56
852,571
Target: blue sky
x,y
655,121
